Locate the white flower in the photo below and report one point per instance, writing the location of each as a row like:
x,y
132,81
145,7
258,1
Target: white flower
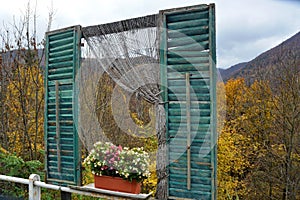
x,y
129,161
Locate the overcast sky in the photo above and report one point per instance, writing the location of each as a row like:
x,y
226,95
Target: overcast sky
x,y
245,28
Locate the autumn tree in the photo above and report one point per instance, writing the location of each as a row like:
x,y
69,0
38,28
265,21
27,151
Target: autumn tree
x,y
25,103
258,149
243,142
257,127
232,162
22,95
287,125
276,174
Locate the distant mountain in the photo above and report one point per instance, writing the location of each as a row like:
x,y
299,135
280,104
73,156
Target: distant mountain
x,y
226,73
267,63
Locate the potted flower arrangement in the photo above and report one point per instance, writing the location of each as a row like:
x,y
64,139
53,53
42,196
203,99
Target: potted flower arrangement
x,y
117,168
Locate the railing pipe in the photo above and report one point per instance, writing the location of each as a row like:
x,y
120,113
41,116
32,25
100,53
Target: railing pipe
x,y
35,186
14,179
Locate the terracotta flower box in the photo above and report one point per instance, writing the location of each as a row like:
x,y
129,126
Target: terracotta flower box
x,y
117,184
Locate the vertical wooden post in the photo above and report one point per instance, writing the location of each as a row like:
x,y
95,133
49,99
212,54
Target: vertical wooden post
x,y
162,160
213,94
65,195
34,191
57,125
188,123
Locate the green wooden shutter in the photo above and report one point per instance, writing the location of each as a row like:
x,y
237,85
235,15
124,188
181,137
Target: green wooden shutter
x,y
188,71
61,109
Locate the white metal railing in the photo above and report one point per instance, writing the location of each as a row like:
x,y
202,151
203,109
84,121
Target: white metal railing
x,y
35,186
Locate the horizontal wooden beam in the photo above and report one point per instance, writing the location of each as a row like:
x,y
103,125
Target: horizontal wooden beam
x,y
120,26
111,194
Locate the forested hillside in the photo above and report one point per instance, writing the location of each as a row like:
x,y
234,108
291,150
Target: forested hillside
x,y
258,149
266,64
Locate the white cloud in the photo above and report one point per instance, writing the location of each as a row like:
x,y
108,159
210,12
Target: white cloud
x,y
245,28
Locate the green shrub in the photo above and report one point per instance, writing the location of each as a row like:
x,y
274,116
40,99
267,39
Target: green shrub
x,y
12,165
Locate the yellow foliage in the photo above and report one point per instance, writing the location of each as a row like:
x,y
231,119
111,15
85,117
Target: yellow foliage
x,y
235,97
134,116
3,151
231,164
24,101
249,150
149,184
87,176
